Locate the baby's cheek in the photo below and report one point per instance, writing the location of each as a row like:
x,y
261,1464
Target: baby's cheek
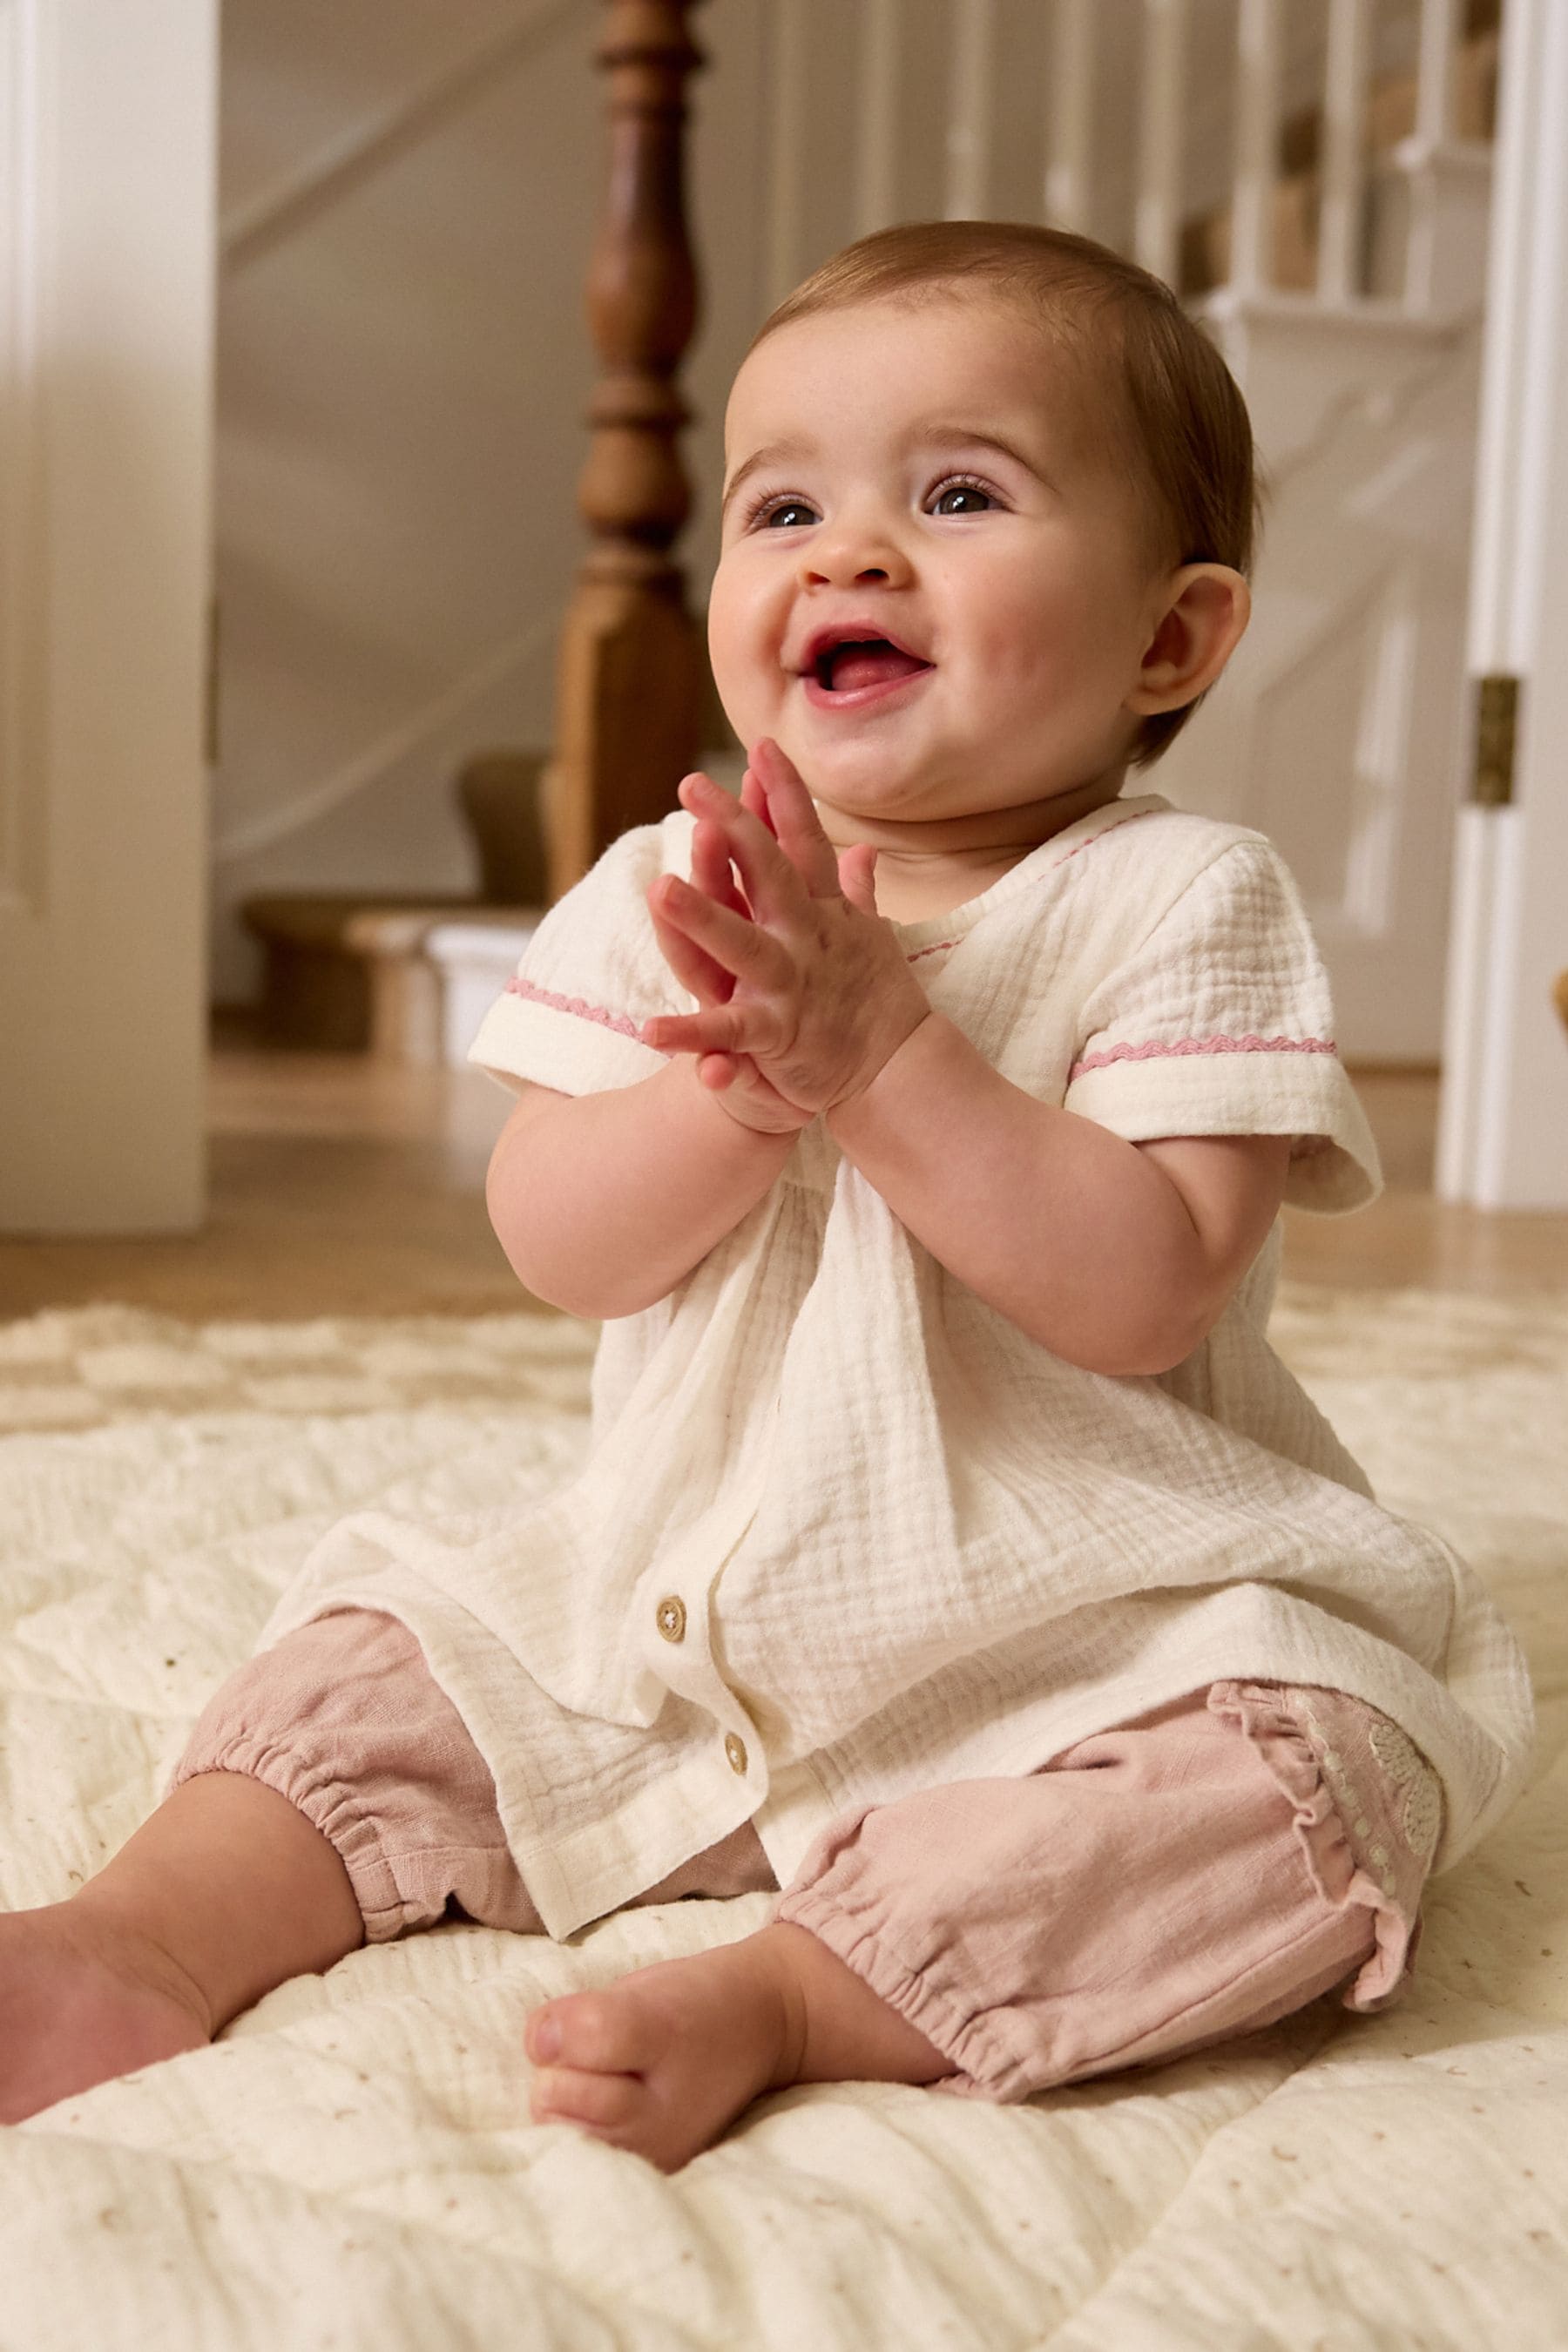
x,y
743,646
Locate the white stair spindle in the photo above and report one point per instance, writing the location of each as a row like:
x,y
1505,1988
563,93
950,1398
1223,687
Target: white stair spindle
x,y
1157,234
1434,71
969,122
1070,183
1344,150
1257,144
876,176
787,207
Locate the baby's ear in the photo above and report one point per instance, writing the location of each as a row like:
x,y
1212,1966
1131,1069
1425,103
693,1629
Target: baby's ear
x,y
1208,607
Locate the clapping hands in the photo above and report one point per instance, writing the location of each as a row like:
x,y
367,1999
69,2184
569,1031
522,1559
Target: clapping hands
x,y
802,989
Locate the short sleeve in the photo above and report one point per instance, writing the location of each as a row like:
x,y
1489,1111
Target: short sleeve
x,y
570,1016
1220,1022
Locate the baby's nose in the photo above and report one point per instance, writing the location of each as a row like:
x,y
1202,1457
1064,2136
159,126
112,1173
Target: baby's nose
x,y
847,556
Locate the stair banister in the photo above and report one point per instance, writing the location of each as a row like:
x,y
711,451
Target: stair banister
x,y
969,125
1434,71
629,677
877,156
1344,150
1069,186
1162,117
1259,45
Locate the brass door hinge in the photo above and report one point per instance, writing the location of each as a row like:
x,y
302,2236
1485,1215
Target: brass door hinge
x,y
1497,720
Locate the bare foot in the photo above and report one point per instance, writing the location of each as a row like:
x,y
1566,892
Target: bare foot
x,y
81,2001
664,2061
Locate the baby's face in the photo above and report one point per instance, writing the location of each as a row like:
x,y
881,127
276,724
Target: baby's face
x,y
926,486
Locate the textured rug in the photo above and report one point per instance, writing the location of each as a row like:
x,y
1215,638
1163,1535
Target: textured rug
x,y
352,2163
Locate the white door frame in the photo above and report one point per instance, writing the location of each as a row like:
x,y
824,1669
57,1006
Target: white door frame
x,y
108,224
1503,1133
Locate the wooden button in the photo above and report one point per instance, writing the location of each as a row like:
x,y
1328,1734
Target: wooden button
x,y
735,1749
670,1617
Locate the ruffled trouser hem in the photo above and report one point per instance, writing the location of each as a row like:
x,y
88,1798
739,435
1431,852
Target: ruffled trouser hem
x,y
1186,1878
1367,1811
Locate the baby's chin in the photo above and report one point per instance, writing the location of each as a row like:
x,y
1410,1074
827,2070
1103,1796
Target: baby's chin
x,y
871,786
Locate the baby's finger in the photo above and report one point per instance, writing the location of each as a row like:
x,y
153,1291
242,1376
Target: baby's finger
x,y
695,969
711,871
745,948
754,795
792,814
720,1029
774,891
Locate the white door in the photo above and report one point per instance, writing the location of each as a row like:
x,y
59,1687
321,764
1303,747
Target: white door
x,y
1503,1141
107,111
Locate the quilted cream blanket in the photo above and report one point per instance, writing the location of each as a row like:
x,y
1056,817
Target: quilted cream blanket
x,y
351,2164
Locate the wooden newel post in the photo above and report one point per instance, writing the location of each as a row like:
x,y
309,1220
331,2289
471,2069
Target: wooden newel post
x,y
629,680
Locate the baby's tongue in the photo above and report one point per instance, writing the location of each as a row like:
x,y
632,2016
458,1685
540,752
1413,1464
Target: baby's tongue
x,y
871,664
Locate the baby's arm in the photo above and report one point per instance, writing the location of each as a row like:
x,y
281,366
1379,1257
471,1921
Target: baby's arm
x,y
604,1201
1117,1256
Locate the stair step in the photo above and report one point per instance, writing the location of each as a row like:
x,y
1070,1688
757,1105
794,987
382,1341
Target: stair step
x,y
347,972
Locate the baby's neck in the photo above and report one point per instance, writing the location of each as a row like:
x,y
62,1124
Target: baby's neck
x,y
909,890
915,880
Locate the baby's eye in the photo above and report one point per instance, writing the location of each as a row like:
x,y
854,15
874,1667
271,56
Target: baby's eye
x,y
977,499
787,514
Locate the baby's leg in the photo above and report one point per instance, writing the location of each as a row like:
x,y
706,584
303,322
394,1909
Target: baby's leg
x,y
1182,1880
328,1794
223,1893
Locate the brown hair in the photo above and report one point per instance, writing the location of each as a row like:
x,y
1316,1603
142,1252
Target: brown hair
x,y
1184,424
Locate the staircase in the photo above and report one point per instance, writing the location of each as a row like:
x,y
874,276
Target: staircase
x,y
1322,206
351,971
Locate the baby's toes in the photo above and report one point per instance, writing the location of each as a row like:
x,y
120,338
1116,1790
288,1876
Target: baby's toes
x,y
600,2103
602,2033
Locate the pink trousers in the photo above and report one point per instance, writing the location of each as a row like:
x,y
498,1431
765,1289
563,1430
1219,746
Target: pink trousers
x,y
1188,1878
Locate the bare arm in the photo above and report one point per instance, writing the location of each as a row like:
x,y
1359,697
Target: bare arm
x,y
604,1201
1117,1256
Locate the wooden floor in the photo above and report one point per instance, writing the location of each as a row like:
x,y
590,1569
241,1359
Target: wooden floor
x,y
343,1186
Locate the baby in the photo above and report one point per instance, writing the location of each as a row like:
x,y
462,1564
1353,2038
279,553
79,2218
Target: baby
x,y
951,1554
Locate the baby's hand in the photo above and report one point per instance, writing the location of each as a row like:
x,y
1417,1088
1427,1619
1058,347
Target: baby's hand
x,y
737,1085
820,996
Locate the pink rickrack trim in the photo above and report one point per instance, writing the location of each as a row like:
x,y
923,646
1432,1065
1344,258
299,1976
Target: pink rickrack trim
x,y
1157,1052
517,986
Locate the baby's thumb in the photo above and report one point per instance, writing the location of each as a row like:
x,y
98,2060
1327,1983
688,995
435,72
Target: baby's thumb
x,y
857,869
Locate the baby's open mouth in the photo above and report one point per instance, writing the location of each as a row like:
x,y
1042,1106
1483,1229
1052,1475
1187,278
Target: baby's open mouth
x,y
864,661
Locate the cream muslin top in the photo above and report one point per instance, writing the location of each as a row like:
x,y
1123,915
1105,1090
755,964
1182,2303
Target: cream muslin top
x,y
843,1529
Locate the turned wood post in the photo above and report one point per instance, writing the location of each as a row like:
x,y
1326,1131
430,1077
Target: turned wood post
x,y
630,666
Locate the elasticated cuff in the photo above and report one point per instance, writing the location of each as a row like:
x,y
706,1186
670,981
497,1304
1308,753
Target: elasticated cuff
x,y
328,1807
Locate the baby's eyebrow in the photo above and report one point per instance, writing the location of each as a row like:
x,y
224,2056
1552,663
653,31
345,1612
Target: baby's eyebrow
x,y
775,453
971,436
